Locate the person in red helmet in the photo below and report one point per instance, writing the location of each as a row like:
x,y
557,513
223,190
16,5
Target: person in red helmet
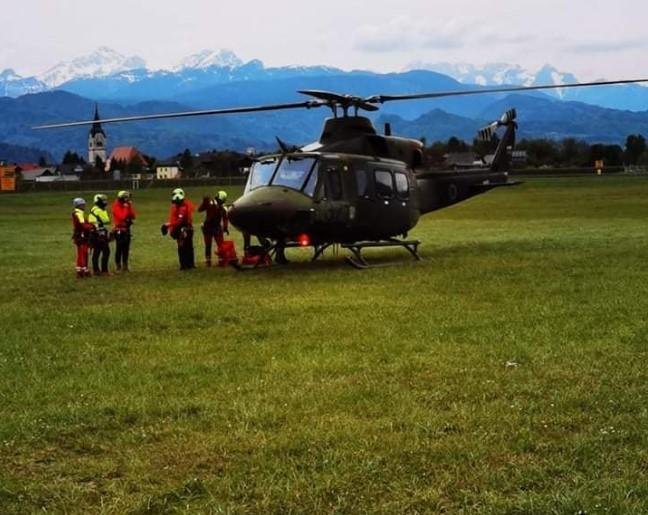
x,y
180,227
82,230
216,222
123,216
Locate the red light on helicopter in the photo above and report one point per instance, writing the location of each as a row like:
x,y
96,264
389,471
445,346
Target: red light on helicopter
x,y
303,240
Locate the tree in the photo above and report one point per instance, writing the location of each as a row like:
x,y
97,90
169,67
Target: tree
x,y
72,158
574,152
540,152
634,148
456,145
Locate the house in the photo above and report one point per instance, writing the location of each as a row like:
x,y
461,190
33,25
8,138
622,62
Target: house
x,y
168,170
129,156
7,176
71,172
36,174
457,160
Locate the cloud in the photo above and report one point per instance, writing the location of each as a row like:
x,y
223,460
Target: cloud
x,y
404,33
607,47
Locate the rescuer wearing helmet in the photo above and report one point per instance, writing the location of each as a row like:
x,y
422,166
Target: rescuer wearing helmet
x,y
123,217
216,222
81,236
180,227
100,237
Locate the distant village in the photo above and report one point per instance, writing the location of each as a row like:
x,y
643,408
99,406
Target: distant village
x,y
124,162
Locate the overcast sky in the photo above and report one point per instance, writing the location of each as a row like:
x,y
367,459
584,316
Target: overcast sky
x,y
590,38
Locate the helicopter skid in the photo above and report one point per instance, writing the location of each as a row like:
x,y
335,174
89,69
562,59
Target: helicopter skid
x,y
357,260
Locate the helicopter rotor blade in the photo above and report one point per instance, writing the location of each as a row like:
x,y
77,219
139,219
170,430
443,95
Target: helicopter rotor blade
x,y
381,99
186,114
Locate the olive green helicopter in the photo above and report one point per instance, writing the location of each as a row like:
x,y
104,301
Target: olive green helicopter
x,y
354,187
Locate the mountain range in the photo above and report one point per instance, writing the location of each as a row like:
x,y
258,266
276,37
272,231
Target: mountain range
x,y
124,86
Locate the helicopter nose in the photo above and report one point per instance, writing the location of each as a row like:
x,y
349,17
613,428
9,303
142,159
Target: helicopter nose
x,y
272,212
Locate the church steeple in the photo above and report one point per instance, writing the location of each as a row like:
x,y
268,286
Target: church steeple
x,y
96,127
96,140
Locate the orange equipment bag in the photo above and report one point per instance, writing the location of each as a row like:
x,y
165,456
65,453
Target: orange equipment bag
x,y
226,253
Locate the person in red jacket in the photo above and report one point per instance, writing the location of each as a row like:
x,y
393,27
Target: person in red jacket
x,y
82,230
180,227
216,222
123,215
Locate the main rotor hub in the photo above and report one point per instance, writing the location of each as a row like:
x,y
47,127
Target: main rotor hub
x,y
345,102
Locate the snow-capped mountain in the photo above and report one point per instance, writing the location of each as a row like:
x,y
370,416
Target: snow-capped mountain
x,y
497,74
103,62
208,59
13,85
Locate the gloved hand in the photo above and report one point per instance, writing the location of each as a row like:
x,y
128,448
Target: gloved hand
x,y
164,229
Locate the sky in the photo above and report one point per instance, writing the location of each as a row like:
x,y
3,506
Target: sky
x,y
590,38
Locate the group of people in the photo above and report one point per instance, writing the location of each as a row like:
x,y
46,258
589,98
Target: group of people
x,y
95,231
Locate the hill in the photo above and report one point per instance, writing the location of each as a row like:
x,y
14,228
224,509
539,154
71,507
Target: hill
x,y
539,116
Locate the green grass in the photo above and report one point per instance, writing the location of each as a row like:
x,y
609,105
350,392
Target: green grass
x,y
505,373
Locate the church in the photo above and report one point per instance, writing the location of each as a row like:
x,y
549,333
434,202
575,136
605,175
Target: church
x,y
96,141
124,156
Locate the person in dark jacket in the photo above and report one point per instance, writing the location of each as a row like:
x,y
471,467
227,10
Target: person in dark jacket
x,y
216,222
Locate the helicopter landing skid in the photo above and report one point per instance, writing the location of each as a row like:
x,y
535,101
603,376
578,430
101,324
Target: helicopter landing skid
x,y
358,261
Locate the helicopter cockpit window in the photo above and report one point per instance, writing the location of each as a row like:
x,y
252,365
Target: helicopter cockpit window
x,y
292,173
402,185
261,174
311,183
384,184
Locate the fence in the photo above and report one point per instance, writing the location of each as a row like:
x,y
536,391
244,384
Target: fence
x,y
128,184
134,184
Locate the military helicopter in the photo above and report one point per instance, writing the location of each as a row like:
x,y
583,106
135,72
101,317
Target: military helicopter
x,y
354,187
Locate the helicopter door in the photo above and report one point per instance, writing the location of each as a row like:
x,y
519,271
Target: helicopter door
x,y
334,207
391,201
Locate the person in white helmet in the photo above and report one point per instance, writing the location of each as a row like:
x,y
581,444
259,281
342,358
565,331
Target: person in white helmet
x,y
81,237
216,222
180,227
100,238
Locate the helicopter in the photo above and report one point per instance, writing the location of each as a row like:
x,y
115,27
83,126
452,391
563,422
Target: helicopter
x,y
354,187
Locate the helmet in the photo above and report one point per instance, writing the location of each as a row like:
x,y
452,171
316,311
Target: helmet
x,y
123,194
100,198
177,195
222,196
78,202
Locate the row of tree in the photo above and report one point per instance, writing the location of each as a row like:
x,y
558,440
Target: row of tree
x,y
569,152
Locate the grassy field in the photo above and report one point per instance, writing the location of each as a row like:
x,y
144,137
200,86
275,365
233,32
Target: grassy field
x,y
505,373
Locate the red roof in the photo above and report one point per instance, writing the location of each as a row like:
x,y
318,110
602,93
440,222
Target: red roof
x,y
27,167
127,155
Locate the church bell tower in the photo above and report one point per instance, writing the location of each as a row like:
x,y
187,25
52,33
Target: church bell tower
x,y
96,141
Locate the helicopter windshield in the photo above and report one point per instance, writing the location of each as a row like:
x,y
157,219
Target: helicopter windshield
x,y
261,173
293,172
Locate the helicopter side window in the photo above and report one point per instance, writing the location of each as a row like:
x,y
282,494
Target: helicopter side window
x,y
361,182
261,174
402,184
333,184
384,184
292,173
